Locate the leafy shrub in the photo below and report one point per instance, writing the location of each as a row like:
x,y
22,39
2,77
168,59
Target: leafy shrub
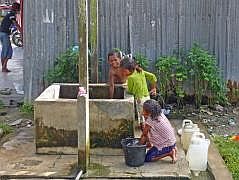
x,y
197,69
65,68
27,109
171,74
204,73
142,61
229,151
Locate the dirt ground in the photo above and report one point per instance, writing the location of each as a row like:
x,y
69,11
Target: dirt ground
x,y
223,121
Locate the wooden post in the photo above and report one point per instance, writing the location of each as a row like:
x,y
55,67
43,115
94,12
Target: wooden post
x,y
93,37
83,95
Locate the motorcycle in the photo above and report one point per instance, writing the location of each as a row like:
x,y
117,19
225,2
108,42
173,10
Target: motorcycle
x,y
16,36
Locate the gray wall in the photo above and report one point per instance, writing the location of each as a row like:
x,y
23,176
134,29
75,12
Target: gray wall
x,y
50,27
158,27
150,27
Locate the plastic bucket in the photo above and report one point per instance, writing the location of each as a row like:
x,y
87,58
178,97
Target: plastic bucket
x,y
134,152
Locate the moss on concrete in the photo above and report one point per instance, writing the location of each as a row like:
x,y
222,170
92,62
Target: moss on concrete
x,y
98,170
52,137
112,137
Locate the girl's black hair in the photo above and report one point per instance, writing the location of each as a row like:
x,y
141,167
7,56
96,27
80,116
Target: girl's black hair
x,y
116,52
130,64
152,106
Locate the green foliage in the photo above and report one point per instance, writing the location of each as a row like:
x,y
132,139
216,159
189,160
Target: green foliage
x,y
229,151
65,68
142,61
6,128
204,73
197,68
116,49
27,109
172,75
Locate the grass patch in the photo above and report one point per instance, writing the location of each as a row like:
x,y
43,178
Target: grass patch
x,y
27,108
6,128
229,151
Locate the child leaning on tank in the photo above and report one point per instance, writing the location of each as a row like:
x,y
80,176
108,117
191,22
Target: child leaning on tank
x,y
115,75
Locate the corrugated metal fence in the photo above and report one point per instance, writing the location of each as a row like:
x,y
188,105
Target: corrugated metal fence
x,y
159,27
50,27
151,27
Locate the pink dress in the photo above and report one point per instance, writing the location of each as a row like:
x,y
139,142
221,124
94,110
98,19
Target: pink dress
x,y
161,133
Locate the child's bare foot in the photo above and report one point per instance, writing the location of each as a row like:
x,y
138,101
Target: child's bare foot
x,y
173,155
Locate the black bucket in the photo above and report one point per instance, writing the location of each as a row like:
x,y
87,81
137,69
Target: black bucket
x,y
134,152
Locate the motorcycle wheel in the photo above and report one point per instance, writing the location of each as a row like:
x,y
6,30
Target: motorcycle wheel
x,y
17,39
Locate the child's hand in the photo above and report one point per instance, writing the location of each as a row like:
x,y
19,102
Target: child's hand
x,y
153,91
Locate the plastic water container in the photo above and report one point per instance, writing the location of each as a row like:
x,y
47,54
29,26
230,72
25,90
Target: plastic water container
x,y
187,132
134,152
198,153
185,121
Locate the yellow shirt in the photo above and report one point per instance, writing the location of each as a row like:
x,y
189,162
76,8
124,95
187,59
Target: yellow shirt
x,y
137,83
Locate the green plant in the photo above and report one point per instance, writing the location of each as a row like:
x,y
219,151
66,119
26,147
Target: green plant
x,y
27,109
6,128
142,61
204,73
229,151
65,68
172,75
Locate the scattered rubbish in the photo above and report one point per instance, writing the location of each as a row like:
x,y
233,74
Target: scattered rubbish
x,y
236,111
210,130
219,107
205,111
225,135
13,103
6,91
16,122
231,122
235,137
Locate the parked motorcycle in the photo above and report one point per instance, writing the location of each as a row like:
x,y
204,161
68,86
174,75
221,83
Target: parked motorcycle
x,y
16,36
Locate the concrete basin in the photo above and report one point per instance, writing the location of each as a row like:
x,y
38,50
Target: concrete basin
x,y
55,115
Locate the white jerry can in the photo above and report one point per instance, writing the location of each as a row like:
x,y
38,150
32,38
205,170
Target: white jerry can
x,y
187,132
197,153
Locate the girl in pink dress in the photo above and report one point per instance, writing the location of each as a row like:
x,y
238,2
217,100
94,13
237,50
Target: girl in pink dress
x,y
157,133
